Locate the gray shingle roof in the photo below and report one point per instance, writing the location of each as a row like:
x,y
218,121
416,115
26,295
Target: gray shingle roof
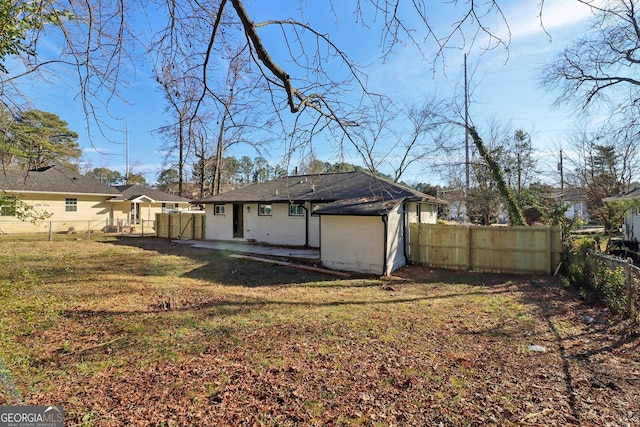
x,y
131,192
52,179
633,194
328,188
364,206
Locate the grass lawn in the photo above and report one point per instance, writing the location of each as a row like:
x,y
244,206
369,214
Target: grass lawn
x,y
142,331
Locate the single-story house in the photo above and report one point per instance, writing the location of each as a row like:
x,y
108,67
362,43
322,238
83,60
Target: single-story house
x,y
137,203
575,199
359,221
631,224
70,201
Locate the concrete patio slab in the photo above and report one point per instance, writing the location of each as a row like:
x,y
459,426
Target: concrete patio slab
x,y
255,248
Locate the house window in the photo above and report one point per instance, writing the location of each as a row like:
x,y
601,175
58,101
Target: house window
x,y
70,204
296,210
218,209
264,209
8,206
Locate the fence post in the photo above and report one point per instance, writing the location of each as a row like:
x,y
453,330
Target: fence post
x,y
630,288
469,249
142,228
418,256
548,252
89,230
51,231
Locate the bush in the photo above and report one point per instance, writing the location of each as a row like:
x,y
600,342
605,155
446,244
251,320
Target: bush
x,y
595,280
610,287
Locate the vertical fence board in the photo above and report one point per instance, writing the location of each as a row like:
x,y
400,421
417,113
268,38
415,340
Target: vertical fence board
x,y
185,226
486,249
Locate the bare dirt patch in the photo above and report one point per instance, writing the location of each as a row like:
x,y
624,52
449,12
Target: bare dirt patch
x,y
255,344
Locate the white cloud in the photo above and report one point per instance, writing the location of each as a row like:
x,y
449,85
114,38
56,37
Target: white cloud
x,y
528,19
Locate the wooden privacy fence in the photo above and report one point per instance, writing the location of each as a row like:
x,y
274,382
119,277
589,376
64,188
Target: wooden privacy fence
x,y
182,226
522,250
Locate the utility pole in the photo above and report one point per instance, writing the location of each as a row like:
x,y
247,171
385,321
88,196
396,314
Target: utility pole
x,y
466,125
466,139
561,170
126,160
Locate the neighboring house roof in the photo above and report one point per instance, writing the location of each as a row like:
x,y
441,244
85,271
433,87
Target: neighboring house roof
x,y
52,179
138,193
327,188
633,194
570,194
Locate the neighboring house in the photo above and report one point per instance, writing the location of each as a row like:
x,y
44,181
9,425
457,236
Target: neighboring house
x,y
73,201
575,199
631,225
66,196
359,221
137,203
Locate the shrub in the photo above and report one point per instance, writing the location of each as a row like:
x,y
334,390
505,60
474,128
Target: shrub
x,y
593,278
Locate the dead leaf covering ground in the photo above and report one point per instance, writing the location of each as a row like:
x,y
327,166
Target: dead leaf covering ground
x,y
84,326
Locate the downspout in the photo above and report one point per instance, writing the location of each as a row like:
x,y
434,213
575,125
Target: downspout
x,y
306,226
405,231
385,221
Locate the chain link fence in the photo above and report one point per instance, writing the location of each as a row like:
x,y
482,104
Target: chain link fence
x,y
617,280
65,230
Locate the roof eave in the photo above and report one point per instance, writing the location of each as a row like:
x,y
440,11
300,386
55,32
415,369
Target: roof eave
x,y
73,193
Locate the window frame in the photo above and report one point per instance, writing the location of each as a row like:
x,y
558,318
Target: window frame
x,y
262,208
219,209
71,204
300,210
8,210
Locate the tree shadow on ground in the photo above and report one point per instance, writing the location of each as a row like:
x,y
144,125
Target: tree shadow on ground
x,y
219,268
597,349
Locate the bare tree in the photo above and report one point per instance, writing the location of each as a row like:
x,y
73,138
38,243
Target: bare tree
x,y
96,40
303,69
601,68
240,116
181,135
394,139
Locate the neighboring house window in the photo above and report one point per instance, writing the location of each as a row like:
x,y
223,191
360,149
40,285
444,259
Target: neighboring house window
x,y
218,209
296,210
71,204
264,209
8,209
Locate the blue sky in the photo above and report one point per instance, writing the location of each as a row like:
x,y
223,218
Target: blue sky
x,y
504,84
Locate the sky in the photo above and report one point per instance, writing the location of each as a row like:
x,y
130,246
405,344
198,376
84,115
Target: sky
x,y
504,85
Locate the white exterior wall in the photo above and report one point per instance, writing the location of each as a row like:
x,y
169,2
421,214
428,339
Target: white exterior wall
x,y
219,227
631,226
352,243
577,210
314,231
428,213
396,240
92,211
357,243
277,229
